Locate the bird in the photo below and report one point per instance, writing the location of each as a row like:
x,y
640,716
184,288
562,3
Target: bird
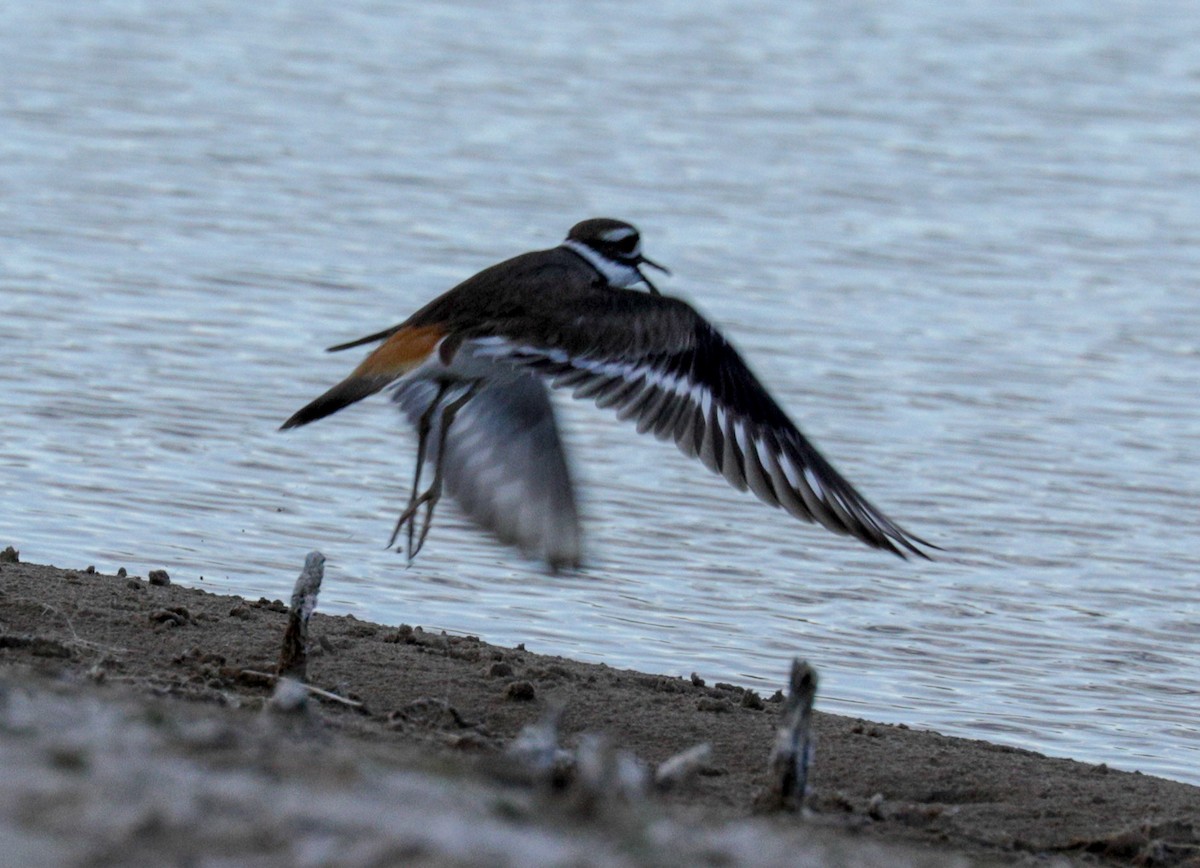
x,y
473,369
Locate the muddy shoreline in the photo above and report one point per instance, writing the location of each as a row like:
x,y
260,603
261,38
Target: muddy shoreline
x,y
123,653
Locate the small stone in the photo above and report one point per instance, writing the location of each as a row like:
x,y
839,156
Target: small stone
x,y
122,573
91,569
750,699
875,807
697,681
521,691
270,605
177,617
468,741
134,583
499,670
159,577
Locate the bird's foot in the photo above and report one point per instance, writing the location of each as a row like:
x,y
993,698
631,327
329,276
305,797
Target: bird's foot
x,y
408,521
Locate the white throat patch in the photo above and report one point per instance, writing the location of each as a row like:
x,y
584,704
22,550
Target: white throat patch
x,y
620,274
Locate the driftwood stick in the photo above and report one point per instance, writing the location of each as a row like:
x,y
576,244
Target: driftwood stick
x,y
792,754
293,658
313,691
681,767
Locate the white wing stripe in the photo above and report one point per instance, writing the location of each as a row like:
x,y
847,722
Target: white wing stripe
x,y
662,396
814,483
790,471
764,454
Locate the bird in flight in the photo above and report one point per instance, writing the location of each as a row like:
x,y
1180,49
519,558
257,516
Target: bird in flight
x,y
472,371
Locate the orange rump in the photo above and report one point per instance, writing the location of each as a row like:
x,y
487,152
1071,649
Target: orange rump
x,y
395,357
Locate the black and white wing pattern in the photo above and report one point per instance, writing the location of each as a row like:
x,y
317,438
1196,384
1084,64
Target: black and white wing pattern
x,y
699,393
505,463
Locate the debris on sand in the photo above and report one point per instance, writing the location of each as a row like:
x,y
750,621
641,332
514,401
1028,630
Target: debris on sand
x,y
597,774
677,770
293,658
292,668
289,696
791,757
215,782
535,752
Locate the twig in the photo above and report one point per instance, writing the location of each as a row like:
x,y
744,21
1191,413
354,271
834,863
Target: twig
x,y
293,658
792,754
315,691
674,770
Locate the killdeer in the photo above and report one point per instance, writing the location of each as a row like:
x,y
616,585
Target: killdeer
x,y
471,371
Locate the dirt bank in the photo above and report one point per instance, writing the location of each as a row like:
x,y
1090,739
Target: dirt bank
x,y
131,733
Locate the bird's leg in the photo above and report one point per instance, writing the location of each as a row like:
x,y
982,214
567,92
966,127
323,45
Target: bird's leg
x,y
434,493
430,496
423,427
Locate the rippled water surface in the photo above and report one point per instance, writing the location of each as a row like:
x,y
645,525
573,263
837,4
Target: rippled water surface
x,y
961,243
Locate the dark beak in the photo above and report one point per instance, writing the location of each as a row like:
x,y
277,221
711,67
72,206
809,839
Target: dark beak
x,y
644,261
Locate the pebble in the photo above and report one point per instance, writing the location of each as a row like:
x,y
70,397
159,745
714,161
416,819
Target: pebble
x,y
522,691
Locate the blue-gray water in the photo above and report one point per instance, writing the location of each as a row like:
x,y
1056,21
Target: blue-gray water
x,y
959,242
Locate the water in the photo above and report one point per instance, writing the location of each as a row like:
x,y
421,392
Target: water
x,y
959,243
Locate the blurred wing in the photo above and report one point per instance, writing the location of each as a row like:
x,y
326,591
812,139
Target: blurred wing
x,y
505,464
701,394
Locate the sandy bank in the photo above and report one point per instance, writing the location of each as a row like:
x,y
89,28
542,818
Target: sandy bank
x,y
104,764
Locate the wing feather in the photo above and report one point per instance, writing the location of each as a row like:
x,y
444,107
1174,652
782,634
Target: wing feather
x,y
506,464
691,386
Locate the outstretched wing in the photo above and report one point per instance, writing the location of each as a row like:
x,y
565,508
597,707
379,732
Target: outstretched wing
x,y
505,464
677,377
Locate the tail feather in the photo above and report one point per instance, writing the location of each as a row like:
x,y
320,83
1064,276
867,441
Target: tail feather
x,y
404,350
369,339
345,393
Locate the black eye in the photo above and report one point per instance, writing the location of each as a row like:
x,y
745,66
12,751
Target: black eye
x,y
626,245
